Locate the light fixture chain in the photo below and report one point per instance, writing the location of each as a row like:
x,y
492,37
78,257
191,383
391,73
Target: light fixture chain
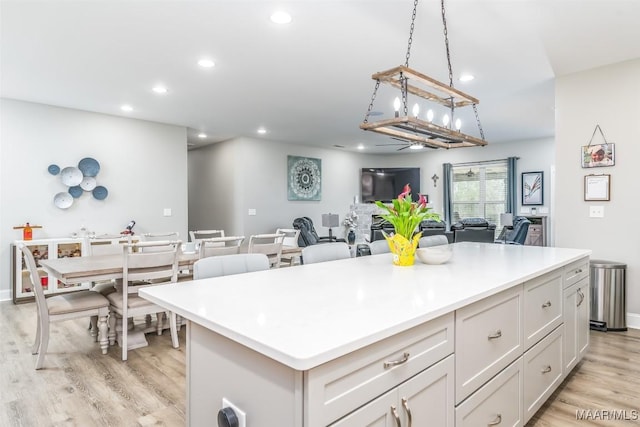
x,y
475,110
413,20
373,98
403,90
446,43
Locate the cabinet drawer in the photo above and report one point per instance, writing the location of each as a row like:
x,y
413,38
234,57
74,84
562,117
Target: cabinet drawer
x,y
499,401
542,306
542,371
488,339
576,271
336,387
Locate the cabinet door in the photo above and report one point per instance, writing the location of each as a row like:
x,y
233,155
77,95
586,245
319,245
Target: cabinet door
x,y
428,399
570,315
65,249
381,412
583,304
22,291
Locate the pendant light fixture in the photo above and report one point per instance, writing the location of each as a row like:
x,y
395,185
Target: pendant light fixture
x,y
412,129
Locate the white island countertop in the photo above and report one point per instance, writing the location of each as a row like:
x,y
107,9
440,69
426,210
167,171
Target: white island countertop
x,y
307,315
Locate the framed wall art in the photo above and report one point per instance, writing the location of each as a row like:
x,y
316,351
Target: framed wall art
x,y
597,187
304,178
594,156
532,187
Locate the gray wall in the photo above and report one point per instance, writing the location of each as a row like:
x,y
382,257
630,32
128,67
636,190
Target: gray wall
x,y
143,165
607,96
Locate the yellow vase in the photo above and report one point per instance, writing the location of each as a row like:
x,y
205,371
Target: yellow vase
x,y
403,250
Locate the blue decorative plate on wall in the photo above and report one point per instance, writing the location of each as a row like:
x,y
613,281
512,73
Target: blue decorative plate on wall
x,y
76,191
89,166
54,169
100,193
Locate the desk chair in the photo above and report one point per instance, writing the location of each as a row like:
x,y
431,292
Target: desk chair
x,y
144,264
268,244
291,236
227,265
216,246
325,252
379,247
57,308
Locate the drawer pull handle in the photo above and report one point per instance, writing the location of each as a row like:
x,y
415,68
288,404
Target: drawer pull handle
x,y
498,334
581,295
395,415
546,304
578,271
404,358
405,403
546,369
497,421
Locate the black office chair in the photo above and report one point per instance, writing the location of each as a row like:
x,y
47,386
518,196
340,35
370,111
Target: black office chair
x,y
308,235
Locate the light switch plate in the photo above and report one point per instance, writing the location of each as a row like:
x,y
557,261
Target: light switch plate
x,y
596,211
252,212
167,212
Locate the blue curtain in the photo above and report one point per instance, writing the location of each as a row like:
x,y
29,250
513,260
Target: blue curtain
x,y
512,186
447,184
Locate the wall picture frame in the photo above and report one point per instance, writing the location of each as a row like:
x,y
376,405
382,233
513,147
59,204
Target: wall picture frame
x,y
597,187
304,178
532,188
600,155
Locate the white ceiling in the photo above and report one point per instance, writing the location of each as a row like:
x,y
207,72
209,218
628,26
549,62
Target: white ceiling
x,y
308,82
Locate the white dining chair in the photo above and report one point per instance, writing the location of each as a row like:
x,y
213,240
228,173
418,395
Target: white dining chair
x,y
73,305
268,244
290,240
379,247
197,235
144,264
434,240
226,265
216,246
323,252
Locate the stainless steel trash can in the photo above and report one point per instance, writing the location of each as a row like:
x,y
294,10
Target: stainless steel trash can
x,y
608,295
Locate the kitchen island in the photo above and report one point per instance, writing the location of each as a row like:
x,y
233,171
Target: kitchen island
x,y
487,336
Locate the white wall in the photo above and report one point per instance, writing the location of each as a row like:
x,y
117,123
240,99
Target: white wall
x,y
607,96
250,173
143,166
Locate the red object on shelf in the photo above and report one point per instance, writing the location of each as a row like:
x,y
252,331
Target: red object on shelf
x,y
27,230
44,281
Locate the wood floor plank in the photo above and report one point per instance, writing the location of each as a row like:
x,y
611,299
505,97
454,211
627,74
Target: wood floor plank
x,y
80,386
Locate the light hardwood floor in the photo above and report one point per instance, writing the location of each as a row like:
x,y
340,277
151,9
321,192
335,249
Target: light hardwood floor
x,y
81,387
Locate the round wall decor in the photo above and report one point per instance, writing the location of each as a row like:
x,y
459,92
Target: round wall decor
x,y
304,180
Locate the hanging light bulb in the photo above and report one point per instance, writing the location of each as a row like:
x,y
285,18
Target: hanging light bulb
x,y
445,120
430,115
416,110
396,106
458,124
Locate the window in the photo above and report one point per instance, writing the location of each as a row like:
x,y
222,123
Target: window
x,y
480,190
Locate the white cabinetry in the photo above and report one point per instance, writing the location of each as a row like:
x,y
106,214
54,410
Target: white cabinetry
x,y
426,399
576,319
42,249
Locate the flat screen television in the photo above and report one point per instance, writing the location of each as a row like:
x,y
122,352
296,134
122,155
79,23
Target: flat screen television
x,y
385,184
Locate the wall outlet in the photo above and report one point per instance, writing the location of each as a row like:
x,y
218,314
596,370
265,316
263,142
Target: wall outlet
x,y
596,211
242,417
167,212
252,212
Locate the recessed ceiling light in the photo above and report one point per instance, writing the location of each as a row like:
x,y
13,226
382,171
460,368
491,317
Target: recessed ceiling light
x,y
280,17
360,147
466,77
415,147
262,131
206,63
126,108
202,135
160,90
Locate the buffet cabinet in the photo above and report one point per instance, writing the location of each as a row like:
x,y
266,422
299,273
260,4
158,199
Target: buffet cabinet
x,y
491,362
43,249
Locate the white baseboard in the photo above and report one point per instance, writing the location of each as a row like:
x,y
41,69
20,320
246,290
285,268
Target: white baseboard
x,y
633,320
5,295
